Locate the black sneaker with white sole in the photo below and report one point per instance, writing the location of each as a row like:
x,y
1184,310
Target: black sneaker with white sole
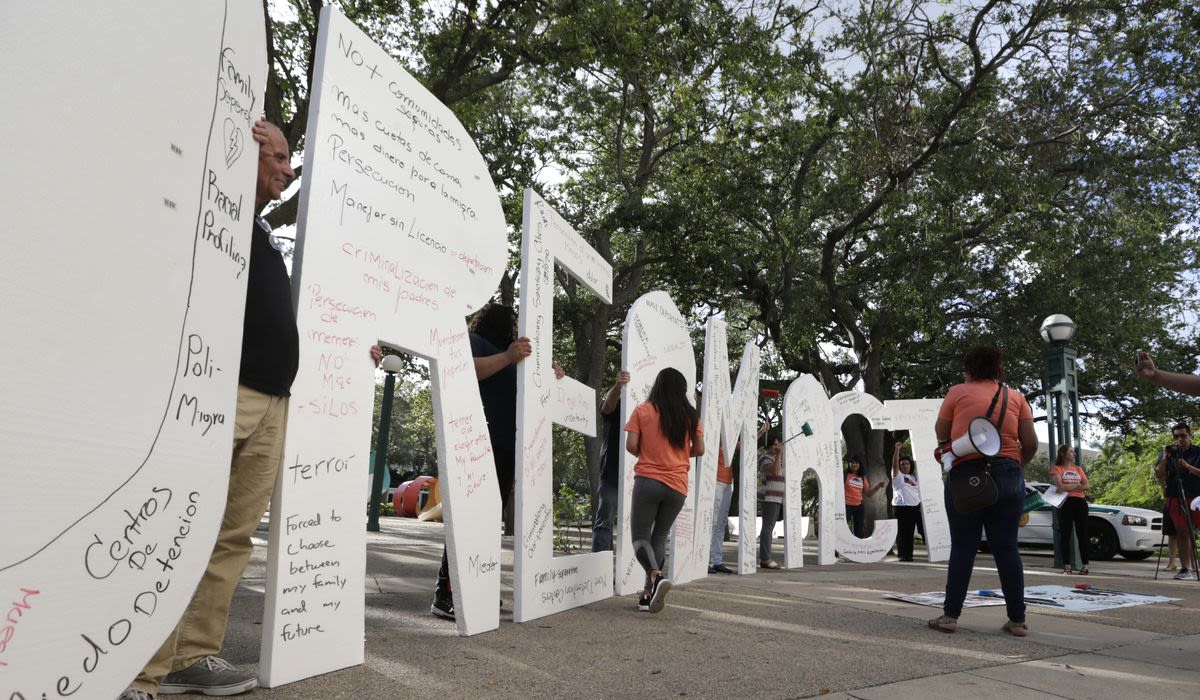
x,y
658,593
211,675
644,603
443,606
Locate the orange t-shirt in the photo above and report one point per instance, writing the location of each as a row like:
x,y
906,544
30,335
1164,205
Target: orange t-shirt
x,y
970,400
659,460
1071,476
724,472
855,483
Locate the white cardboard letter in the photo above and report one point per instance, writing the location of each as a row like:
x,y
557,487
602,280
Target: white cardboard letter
x,y
655,336
544,584
400,235
128,208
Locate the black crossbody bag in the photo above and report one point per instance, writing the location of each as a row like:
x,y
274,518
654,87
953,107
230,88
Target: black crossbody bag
x,y
971,484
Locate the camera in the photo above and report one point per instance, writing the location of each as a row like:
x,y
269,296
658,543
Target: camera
x,y
1174,450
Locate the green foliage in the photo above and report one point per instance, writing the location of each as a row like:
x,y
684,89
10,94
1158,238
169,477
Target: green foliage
x,y
412,440
864,189
570,460
572,510
942,190
1123,474
1038,468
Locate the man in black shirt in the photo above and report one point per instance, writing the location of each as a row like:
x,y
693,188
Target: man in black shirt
x,y
611,447
1185,383
1178,471
187,661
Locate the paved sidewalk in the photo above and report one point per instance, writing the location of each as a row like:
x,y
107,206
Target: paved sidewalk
x,y
815,631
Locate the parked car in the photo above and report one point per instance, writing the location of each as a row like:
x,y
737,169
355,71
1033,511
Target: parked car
x,y
1133,532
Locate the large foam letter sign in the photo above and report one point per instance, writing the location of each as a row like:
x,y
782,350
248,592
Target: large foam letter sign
x,y
743,411
542,583
728,418
655,336
876,546
401,234
723,416
691,562
806,402
825,416
127,210
917,416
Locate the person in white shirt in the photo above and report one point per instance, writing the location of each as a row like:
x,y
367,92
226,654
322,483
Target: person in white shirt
x,y
906,503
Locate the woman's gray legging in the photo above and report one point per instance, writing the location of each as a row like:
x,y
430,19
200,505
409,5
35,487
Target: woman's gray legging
x,y
770,516
655,506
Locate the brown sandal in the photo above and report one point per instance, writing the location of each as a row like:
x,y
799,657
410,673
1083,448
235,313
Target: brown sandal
x,y
1016,629
945,623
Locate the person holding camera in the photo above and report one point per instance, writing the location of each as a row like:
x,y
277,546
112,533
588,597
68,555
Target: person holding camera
x,y
1183,383
1178,471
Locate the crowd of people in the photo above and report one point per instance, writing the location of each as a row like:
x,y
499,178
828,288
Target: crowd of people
x,y
664,433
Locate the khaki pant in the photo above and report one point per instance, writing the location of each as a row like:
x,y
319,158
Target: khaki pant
x,y
257,454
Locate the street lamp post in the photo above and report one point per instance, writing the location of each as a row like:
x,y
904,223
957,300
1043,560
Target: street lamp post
x,y
1061,386
1061,383
391,364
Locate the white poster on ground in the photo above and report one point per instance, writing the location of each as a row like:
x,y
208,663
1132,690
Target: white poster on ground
x,y
655,336
400,235
1059,598
127,216
544,584
714,405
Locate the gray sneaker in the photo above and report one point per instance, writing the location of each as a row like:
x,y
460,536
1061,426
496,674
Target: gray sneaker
x,y
135,694
1183,575
211,675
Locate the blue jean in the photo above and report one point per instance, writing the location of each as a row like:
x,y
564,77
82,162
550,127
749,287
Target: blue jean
x,y
1000,520
721,499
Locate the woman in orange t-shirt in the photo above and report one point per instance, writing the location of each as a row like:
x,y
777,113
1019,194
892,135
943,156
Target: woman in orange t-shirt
x,y
664,433
982,393
1070,478
857,487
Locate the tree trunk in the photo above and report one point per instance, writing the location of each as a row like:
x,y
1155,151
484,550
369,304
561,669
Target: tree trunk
x,y
868,442
591,357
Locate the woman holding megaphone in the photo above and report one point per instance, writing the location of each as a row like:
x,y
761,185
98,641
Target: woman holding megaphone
x,y
972,455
